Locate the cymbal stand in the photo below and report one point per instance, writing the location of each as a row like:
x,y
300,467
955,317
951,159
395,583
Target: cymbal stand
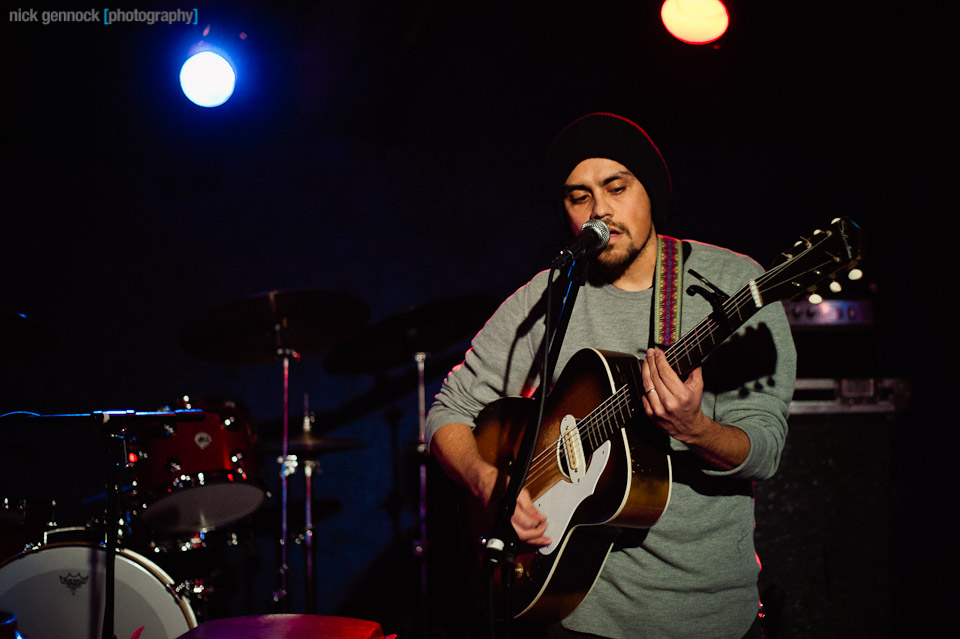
x,y
309,465
288,467
420,545
116,445
311,597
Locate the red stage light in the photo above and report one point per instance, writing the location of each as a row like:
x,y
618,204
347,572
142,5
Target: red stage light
x,y
695,21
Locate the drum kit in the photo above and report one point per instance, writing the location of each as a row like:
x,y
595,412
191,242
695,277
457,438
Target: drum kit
x,y
193,469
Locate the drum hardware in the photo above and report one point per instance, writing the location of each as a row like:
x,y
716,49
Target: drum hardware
x,y
309,447
114,428
288,467
22,524
193,589
270,327
410,337
420,545
311,599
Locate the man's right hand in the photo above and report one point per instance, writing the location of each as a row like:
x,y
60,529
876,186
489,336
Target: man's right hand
x,y
456,450
528,522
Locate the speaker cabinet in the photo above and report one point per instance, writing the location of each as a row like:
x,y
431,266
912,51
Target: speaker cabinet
x,y
824,529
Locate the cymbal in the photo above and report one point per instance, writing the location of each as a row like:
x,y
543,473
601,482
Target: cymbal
x,y
263,328
22,336
308,444
396,340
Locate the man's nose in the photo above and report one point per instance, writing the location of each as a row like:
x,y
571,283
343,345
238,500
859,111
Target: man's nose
x,y
601,209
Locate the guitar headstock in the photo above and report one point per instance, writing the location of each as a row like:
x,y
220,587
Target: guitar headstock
x,y
812,260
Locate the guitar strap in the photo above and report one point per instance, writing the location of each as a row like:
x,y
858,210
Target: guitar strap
x,y
667,284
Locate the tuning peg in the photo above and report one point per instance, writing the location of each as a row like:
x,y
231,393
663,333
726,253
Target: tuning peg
x,y
854,274
835,286
814,298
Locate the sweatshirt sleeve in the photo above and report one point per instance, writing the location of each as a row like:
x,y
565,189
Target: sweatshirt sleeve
x,y
498,363
765,359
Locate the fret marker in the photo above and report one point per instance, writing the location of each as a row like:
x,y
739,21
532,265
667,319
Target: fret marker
x,y
755,292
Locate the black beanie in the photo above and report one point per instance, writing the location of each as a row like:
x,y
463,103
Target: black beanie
x,y
610,136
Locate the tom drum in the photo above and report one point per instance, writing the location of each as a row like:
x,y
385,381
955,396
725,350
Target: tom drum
x,y
197,476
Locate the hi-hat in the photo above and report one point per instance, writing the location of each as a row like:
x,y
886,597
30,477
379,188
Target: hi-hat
x,y
266,327
308,444
394,341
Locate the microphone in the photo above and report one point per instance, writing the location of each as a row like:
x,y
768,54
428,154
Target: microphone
x,y
593,237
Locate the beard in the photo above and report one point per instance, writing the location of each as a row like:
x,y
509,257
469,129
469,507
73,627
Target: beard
x,y
614,261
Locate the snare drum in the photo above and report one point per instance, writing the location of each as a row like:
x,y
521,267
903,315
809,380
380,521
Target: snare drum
x,y
57,592
196,476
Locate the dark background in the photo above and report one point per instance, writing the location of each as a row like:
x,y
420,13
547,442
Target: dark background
x,y
393,151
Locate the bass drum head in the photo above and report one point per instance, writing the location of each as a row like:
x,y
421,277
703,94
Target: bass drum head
x,y
57,592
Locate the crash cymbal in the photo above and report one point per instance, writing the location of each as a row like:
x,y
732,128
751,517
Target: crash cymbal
x,y
22,336
308,444
263,328
395,341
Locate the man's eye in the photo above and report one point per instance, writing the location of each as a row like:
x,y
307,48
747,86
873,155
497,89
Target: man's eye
x,y
577,199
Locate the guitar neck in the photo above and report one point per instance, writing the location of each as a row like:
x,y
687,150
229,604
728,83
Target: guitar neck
x,y
784,281
694,347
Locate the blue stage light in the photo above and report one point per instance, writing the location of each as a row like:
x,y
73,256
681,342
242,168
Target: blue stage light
x,y
207,79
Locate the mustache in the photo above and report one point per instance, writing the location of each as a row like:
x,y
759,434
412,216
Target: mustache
x,y
619,228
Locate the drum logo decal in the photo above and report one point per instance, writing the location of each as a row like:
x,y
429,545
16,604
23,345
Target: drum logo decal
x,y
202,439
73,581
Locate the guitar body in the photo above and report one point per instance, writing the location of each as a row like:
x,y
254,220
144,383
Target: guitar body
x,y
589,483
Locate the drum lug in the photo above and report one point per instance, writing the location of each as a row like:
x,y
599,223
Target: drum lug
x,y
193,589
288,465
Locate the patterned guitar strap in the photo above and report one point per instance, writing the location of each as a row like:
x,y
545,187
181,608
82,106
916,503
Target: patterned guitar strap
x,y
667,284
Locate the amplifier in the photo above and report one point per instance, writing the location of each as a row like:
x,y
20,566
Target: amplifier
x,y
829,313
835,338
845,396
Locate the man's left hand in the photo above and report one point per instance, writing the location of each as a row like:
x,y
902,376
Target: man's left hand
x,y
673,404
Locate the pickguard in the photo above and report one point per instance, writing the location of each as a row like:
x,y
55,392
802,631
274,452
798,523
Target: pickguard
x,y
561,500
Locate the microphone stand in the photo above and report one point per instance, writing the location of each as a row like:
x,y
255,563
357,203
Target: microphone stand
x,y
501,546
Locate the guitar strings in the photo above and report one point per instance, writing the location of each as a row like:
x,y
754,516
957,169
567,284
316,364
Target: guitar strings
x,y
586,427
542,461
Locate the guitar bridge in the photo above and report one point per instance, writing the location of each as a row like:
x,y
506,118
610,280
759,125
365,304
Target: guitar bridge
x,y
570,450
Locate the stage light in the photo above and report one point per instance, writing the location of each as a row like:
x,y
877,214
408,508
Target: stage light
x,y
695,21
207,79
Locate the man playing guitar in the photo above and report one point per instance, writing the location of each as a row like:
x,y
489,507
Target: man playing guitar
x,y
690,570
